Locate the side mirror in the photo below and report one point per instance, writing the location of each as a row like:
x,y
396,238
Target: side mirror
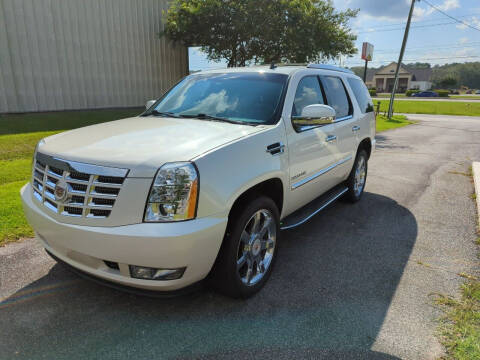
x,y
314,115
150,103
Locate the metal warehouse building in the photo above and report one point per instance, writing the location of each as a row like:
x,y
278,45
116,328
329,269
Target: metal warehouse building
x,y
84,54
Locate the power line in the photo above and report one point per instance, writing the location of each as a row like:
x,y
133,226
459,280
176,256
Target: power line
x,y
417,60
402,28
413,22
451,17
393,51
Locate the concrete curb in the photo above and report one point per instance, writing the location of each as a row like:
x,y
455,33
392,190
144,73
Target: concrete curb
x,y
476,181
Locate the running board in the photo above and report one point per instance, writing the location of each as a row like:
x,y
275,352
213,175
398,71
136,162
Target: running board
x,y
305,213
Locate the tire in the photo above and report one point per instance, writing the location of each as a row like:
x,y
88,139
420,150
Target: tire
x,y
246,258
356,181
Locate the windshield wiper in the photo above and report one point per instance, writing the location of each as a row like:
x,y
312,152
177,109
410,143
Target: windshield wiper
x,y
162,113
202,116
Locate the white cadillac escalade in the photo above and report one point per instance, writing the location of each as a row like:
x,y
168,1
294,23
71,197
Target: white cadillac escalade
x,y
201,184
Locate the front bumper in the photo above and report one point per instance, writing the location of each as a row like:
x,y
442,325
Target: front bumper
x,y
191,244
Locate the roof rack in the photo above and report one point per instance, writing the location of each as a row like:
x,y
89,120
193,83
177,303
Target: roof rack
x,y
329,67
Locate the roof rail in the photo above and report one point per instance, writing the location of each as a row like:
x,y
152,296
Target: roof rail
x,y
329,67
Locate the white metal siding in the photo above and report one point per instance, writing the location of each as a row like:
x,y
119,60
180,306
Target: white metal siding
x,y
83,54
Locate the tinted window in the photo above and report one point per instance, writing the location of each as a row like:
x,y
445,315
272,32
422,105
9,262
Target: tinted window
x,y
336,96
361,93
308,93
248,97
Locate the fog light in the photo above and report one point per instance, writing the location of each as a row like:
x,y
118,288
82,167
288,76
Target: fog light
x,y
146,273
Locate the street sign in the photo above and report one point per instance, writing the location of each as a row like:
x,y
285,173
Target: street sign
x,y
367,51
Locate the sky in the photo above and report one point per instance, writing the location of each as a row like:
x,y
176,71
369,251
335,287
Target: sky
x,y
433,37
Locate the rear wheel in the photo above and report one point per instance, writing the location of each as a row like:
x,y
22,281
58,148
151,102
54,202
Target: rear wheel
x,y
358,177
249,249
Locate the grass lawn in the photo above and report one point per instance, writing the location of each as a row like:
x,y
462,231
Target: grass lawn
x,y
19,133
466,97
463,97
433,107
397,121
460,327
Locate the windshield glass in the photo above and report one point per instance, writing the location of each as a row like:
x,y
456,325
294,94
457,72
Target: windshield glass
x,y
240,97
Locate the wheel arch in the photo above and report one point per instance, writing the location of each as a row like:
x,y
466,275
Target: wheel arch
x,y
365,144
272,188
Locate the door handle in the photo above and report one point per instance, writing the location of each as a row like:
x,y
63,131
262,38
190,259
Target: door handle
x,y
276,149
355,128
331,138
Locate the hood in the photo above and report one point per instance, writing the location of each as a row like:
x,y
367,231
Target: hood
x,y
143,144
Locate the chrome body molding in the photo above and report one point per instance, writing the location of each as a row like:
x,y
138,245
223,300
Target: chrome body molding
x,y
324,205
310,127
321,172
73,166
348,117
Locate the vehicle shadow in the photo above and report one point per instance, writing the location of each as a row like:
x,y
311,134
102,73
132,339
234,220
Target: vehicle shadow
x,y
334,280
385,142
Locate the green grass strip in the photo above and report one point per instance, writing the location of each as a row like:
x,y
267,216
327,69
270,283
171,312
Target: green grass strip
x,y
433,107
13,224
460,328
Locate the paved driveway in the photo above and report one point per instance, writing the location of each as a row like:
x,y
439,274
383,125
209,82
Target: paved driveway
x,y
355,282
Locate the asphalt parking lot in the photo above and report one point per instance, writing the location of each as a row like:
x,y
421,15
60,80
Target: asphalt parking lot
x,y
357,281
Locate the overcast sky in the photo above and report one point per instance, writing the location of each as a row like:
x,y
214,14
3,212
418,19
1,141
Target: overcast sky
x,y
434,38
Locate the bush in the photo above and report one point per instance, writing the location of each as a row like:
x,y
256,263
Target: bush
x,y
373,92
442,93
411,92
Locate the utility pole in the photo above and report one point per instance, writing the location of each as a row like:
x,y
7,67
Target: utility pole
x,y
365,72
400,59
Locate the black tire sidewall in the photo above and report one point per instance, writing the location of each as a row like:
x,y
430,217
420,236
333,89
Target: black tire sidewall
x,y
351,178
225,275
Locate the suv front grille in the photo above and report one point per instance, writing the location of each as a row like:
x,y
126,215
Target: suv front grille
x,y
76,189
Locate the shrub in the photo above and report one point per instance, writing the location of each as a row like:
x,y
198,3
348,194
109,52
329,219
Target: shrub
x,y
442,93
411,92
373,92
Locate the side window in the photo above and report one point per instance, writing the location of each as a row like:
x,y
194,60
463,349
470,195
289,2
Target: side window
x,y
337,96
308,93
361,93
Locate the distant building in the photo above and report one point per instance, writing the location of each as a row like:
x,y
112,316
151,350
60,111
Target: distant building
x,y
409,78
71,54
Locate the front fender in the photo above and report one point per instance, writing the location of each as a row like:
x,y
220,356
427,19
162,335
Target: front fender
x,y
229,171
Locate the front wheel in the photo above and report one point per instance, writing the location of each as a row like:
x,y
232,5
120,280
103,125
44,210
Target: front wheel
x,y
358,177
249,249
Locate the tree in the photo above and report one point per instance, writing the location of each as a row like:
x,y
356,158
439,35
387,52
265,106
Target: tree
x,y
447,82
262,30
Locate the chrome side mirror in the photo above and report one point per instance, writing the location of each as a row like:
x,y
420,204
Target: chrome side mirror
x,y
314,115
150,104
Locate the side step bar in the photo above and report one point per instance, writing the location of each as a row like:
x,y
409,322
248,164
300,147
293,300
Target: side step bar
x,y
305,213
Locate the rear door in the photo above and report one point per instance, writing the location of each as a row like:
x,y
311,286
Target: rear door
x,y
364,110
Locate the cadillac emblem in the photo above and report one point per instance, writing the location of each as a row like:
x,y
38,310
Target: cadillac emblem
x,y
61,190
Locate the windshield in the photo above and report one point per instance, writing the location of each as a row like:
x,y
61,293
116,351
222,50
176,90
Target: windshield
x,y
236,97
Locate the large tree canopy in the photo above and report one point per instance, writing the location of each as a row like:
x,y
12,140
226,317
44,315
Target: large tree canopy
x,y
294,31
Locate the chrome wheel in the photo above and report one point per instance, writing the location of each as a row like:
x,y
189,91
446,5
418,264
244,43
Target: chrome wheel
x,y
256,247
360,176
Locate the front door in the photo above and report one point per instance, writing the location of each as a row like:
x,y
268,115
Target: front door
x,y
311,152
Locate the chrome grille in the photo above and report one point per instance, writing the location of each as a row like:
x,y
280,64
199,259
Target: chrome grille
x,y
90,190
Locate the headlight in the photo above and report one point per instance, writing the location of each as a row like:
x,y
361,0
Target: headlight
x,y
174,193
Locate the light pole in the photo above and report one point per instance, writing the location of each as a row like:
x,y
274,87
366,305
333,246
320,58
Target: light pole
x,y
400,59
